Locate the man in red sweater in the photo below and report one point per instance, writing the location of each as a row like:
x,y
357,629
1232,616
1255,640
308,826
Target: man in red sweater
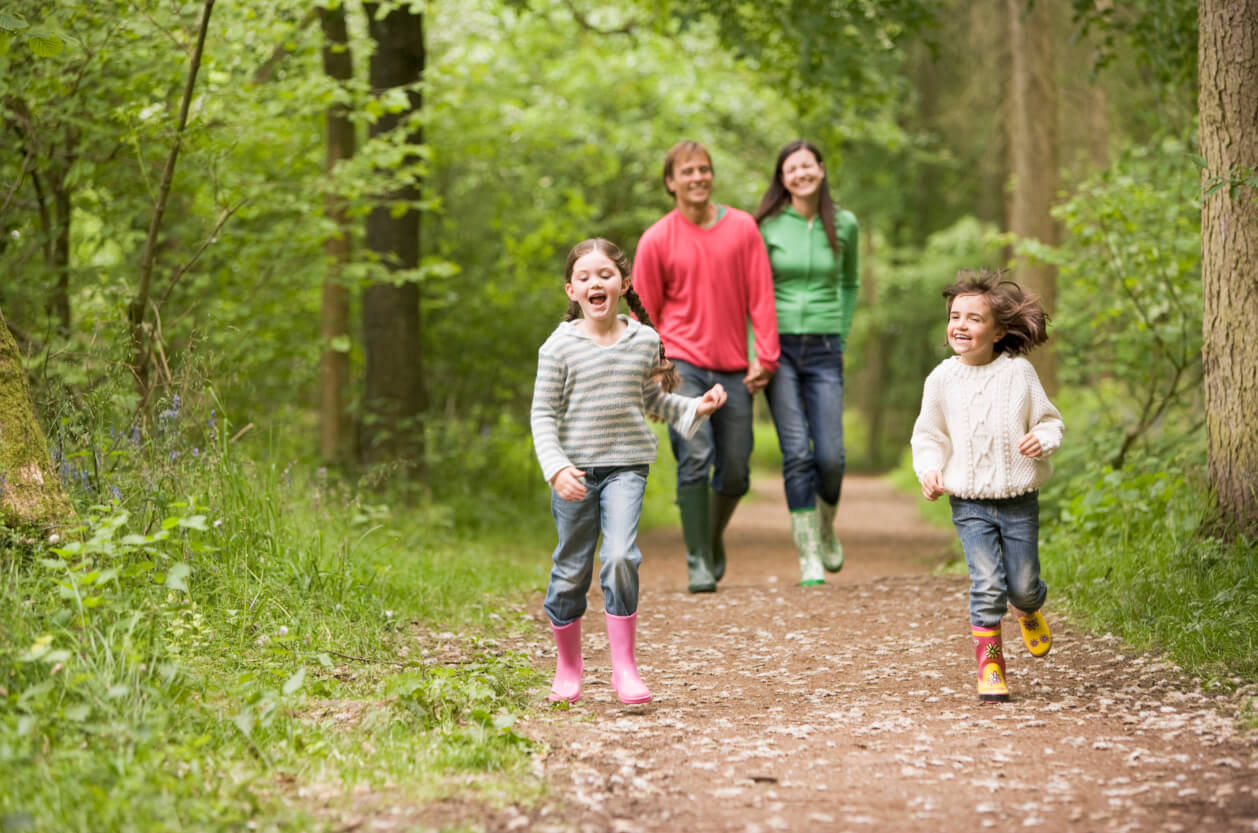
x,y
702,272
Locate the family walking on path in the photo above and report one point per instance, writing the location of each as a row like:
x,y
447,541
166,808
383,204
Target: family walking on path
x,y
706,275
799,697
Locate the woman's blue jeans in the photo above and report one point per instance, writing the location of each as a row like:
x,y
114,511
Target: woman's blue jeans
x,y
1001,542
723,444
806,399
611,507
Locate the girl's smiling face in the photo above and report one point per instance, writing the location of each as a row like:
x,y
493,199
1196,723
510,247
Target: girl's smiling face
x,y
972,330
596,285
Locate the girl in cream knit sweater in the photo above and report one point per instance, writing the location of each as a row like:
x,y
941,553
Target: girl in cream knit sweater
x,y
983,437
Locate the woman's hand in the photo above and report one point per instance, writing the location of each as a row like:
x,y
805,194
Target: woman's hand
x,y
757,378
569,483
933,486
713,399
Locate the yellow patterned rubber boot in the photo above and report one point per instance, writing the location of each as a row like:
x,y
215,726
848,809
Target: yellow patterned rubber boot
x,y
1035,633
991,665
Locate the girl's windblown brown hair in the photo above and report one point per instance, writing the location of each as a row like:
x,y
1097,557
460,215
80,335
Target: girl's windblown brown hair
x,y
1018,312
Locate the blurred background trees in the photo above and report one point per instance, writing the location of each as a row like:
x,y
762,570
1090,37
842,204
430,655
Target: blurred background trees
x,y
372,203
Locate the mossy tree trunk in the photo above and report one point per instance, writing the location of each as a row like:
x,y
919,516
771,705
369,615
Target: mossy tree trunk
x,y
31,497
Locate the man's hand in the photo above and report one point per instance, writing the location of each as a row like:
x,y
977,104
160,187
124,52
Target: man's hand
x,y
569,483
932,486
712,400
757,378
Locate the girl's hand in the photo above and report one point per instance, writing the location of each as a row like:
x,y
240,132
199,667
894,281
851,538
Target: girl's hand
x,y
1030,446
713,399
932,486
569,483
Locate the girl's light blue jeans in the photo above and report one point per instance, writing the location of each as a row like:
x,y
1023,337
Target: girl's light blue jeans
x,y
723,444
611,507
806,399
1001,542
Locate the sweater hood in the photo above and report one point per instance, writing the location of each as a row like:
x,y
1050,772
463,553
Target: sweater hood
x,y
571,330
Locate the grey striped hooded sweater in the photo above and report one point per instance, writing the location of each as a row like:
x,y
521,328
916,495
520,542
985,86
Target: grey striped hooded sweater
x,y
590,402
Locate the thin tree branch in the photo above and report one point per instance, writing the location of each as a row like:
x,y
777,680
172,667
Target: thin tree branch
x,y
628,28
141,301
179,273
17,183
264,72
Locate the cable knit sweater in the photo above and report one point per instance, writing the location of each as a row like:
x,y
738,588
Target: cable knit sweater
x,y
971,421
589,401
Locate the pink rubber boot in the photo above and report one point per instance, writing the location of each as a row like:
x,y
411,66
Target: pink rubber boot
x,y
568,665
625,680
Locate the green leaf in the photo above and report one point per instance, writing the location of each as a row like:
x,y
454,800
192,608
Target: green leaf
x,y
77,713
294,682
45,46
10,22
176,578
194,522
340,344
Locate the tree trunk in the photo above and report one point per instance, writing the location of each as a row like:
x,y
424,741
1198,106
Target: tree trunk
x,y
394,401
1227,64
31,497
1033,152
334,365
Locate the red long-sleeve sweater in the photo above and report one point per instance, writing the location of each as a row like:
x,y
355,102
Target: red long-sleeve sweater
x,y
700,286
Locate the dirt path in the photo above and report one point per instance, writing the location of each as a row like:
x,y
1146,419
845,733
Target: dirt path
x,y
851,707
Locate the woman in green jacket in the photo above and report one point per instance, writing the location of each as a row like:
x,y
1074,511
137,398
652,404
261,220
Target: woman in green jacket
x,y
813,251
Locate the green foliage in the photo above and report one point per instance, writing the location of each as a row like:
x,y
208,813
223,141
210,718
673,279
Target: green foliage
x,y
899,338
1164,33
1129,555
168,665
1129,310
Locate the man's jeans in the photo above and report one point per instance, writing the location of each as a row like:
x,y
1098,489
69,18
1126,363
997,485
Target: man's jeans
x,y
1001,542
612,506
722,445
806,399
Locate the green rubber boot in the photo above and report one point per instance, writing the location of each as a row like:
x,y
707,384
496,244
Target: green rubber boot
x,y
697,531
808,542
722,511
831,547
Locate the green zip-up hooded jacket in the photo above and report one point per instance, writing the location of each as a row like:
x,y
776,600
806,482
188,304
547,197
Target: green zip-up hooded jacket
x,y
814,291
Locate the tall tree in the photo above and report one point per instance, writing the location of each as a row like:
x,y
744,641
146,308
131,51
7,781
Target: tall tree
x,y
1228,75
1033,152
334,422
394,397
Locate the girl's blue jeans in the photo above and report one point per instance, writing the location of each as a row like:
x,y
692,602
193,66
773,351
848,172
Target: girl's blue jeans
x,y
722,445
806,399
611,507
1001,542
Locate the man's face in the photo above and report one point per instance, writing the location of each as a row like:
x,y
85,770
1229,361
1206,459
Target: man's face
x,y
691,180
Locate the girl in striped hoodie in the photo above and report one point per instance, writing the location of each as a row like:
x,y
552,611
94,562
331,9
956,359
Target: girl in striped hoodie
x,y
599,375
